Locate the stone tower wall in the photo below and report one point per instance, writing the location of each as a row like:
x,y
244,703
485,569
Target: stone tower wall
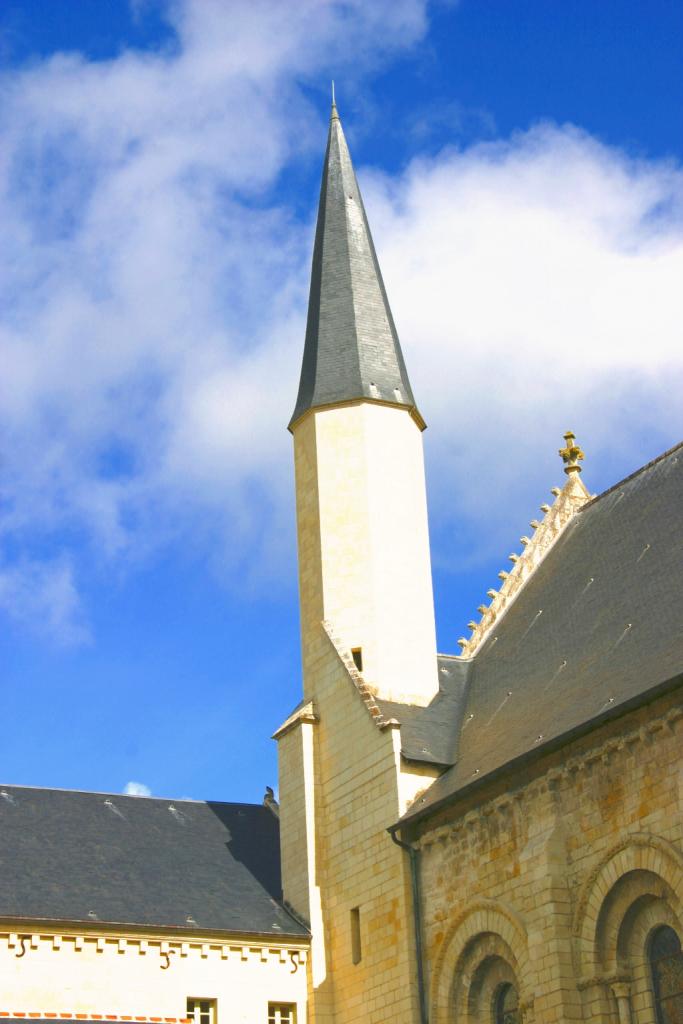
x,y
337,802
364,562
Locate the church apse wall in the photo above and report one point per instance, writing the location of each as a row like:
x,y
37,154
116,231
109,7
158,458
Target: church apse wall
x,y
552,887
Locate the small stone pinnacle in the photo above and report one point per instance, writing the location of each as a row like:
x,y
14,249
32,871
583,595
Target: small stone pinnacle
x,y
571,454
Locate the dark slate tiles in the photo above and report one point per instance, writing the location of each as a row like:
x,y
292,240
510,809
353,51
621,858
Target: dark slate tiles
x,y
71,856
429,735
351,349
598,626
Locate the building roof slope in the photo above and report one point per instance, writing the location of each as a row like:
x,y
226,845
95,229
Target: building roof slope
x,y
351,349
71,856
429,735
599,624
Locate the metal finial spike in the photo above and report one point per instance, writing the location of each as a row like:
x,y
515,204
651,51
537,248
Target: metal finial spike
x,y
571,454
334,114
334,102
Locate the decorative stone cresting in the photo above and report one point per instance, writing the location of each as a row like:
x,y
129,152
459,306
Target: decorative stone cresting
x,y
361,686
568,501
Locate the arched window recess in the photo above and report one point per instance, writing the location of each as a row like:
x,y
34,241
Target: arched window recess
x,y
666,967
506,1005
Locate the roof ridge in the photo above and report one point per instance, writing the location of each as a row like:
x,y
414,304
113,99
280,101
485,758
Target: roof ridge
x,y
556,517
635,473
364,691
126,796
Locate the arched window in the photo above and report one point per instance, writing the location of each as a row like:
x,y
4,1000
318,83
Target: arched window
x,y
666,964
506,1005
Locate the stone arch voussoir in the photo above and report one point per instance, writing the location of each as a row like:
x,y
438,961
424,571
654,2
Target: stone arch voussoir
x,y
636,852
486,917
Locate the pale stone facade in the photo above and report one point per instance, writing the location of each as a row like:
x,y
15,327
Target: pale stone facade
x,y
365,587
142,976
342,784
363,539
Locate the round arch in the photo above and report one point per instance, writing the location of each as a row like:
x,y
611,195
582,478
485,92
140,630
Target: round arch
x,y
653,865
486,931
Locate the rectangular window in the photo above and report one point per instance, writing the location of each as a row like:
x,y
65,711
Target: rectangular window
x,y
357,655
202,1011
356,950
281,1013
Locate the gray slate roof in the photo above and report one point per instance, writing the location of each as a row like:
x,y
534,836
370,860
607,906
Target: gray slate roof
x,y
598,626
70,856
352,349
429,735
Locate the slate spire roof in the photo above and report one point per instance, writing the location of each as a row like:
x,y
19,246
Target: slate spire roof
x,y
352,349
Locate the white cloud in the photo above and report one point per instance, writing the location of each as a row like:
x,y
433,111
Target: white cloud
x,y
536,284
137,789
156,285
43,594
153,283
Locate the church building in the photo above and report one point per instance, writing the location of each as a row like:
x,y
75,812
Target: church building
x,y
491,836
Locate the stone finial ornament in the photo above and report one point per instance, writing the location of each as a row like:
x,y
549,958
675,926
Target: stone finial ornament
x,y
571,454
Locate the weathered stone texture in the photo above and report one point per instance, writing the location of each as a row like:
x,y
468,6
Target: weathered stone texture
x,y
554,877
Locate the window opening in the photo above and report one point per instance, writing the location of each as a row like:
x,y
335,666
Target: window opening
x,y
506,1005
356,949
202,1011
281,1013
357,655
666,967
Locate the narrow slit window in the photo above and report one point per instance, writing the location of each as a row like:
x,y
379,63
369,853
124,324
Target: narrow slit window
x,y
357,655
356,947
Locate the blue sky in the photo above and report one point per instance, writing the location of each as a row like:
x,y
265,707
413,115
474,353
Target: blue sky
x,y
521,165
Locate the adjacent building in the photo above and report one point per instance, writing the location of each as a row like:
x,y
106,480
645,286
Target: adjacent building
x,y
122,908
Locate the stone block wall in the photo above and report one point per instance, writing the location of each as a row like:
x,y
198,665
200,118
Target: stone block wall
x,y
554,877
356,787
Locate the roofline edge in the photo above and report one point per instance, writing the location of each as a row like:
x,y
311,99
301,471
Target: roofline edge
x,y
556,743
631,476
117,928
412,409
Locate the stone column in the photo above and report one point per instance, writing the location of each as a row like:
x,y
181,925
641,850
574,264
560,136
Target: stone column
x,y
622,994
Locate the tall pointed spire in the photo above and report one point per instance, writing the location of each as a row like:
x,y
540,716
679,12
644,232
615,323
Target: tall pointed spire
x,y
352,349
